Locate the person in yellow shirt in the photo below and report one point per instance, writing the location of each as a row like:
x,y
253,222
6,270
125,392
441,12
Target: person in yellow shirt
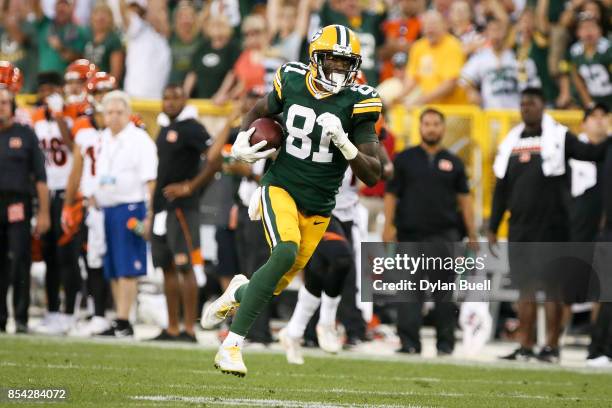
x,y
434,65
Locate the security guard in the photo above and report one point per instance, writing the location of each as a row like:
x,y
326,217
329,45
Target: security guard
x,y
22,169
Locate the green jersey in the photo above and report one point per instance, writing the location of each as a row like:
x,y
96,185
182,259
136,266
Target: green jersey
x,y
309,166
594,69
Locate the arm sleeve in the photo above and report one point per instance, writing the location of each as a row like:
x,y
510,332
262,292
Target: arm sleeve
x,y
578,150
198,137
365,114
500,203
455,58
275,97
38,160
148,160
136,25
471,72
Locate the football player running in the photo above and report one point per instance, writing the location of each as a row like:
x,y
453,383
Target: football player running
x,y
330,125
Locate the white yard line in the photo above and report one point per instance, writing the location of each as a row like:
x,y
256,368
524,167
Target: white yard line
x,y
255,402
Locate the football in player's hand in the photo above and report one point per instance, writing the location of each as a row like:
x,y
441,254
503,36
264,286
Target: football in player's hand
x,y
267,129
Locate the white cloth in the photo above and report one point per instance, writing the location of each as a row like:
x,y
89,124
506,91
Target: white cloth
x,y
126,163
58,157
552,148
476,323
495,77
247,187
347,198
89,140
148,60
584,173
188,112
96,241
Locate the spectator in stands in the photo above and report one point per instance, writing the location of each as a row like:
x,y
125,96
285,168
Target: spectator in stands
x,y
59,41
258,63
103,46
421,204
17,41
531,184
588,66
212,62
126,169
400,33
288,26
434,65
366,24
531,42
148,58
175,245
184,41
490,74
462,27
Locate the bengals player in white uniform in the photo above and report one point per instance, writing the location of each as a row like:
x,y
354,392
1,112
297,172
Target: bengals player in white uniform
x,y
60,251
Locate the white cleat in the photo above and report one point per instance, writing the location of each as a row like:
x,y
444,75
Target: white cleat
x,y
93,327
328,338
54,324
229,361
217,311
599,362
292,346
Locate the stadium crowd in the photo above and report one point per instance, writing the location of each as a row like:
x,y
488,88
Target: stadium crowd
x,y
87,60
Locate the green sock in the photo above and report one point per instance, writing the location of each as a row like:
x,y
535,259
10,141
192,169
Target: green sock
x,y
240,292
256,295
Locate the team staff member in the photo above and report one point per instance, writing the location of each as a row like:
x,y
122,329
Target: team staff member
x,y
126,171
600,349
421,204
530,168
175,245
22,169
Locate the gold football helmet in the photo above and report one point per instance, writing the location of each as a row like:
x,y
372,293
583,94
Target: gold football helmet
x,y
335,57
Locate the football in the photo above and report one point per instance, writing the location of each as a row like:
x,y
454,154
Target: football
x,y
267,129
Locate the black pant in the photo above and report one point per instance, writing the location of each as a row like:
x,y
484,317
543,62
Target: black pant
x,y
328,269
253,252
601,335
62,261
409,313
15,258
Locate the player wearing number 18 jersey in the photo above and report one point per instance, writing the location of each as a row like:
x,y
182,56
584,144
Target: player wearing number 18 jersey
x,y
330,125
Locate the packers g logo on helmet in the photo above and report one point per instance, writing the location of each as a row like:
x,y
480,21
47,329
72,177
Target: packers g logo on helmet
x,y
335,57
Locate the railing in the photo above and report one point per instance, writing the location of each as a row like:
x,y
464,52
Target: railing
x,y
471,133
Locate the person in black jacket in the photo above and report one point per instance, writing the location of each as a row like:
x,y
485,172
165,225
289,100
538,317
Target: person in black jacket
x,y
22,170
175,238
421,205
539,205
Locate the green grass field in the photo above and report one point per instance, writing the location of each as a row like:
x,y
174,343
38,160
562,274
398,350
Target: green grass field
x,y
104,374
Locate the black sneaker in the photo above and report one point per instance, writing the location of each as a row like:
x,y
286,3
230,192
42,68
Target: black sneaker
x,y
165,336
549,355
520,354
408,350
186,337
118,330
21,328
